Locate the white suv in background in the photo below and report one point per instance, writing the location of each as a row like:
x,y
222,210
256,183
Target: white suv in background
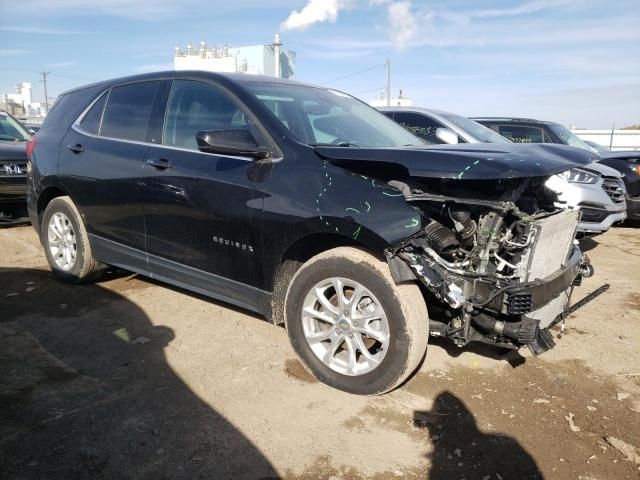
x,y
596,190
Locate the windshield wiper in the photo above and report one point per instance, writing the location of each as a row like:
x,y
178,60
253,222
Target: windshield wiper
x,y
340,144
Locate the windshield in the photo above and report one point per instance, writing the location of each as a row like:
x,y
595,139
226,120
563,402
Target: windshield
x,y
11,130
318,116
480,132
568,137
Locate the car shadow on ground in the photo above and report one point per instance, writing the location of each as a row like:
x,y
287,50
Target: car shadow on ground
x,y
588,243
86,392
461,450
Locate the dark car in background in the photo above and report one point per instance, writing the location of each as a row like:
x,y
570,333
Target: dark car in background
x,y
311,208
589,190
628,164
621,175
13,169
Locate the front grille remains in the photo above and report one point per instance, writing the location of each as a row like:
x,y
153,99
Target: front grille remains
x,y
553,243
13,168
614,188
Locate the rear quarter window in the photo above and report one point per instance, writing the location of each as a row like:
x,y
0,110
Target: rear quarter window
x,y
92,119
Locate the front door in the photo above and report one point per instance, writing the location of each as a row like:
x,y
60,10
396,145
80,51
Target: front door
x,y
202,211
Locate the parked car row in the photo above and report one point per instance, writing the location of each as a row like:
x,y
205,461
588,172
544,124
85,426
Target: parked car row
x,y
596,190
13,169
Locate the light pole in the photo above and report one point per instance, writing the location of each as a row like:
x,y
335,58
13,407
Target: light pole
x,y
46,97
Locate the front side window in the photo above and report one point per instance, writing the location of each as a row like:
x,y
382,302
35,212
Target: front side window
x,y
11,130
521,133
319,116
128,111
476,130
194,107
420,125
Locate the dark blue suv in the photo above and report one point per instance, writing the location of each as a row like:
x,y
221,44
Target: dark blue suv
x,y
311,208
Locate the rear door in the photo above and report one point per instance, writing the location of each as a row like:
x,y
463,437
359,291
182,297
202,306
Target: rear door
x,y
202,210
101,163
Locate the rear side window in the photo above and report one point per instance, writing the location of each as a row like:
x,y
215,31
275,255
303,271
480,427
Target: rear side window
x,y
420,125
128,111
522,134
195,106
91,121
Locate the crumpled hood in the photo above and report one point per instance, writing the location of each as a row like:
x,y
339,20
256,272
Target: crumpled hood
x,y
465,161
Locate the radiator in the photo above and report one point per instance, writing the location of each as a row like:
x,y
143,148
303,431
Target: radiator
x,y
552,247
552,244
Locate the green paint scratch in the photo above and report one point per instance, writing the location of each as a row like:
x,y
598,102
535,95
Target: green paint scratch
x,y
392,194
357,232
414,223
352,210
368,206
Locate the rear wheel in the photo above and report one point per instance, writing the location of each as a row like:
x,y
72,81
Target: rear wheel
x,y
352,326
66,243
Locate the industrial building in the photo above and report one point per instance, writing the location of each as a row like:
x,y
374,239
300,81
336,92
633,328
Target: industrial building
x,y
272,60
21,104
383,101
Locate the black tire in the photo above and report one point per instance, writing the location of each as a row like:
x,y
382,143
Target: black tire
x,y
85,268
403,305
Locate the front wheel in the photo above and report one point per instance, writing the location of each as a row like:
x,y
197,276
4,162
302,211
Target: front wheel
x,y
352,326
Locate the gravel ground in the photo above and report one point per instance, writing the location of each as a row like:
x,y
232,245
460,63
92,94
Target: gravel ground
x,y
129,378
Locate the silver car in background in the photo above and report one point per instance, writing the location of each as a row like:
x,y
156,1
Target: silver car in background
x,y
596,190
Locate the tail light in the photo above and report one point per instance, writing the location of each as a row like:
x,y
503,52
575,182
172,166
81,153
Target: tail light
x,y
31,145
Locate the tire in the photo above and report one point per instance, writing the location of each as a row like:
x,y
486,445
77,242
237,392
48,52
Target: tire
x,y
394,353
81,267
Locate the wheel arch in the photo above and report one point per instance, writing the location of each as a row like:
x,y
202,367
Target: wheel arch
x,y
46,195
306,247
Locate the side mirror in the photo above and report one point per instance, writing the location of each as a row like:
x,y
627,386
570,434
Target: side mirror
x,y
446,135
231,141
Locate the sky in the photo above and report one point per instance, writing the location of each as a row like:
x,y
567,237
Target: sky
x,y
572,61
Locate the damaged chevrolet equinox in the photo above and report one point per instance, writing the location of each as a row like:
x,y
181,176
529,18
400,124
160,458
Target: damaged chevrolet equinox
x,y
312,209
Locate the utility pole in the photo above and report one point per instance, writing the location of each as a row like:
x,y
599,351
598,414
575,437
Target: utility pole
x,y
613,131
46,97
388,82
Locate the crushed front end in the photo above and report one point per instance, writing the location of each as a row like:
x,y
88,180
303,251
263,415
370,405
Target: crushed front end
x,y
501,268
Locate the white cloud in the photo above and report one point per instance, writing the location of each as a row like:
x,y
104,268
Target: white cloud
x,y
403,26
137,9
61,64
10,52
315,11
38,30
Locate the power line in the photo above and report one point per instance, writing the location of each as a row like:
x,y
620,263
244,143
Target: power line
x,y
369,90
355,73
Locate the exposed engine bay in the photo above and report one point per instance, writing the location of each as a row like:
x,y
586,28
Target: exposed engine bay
x,y
501,267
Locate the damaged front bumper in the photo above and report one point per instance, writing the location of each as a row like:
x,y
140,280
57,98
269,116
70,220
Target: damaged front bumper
x,y
506,313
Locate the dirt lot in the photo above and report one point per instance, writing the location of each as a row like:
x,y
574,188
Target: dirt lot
x,y
129,378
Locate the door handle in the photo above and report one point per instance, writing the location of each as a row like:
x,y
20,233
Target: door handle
x,y
77,148
160,163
